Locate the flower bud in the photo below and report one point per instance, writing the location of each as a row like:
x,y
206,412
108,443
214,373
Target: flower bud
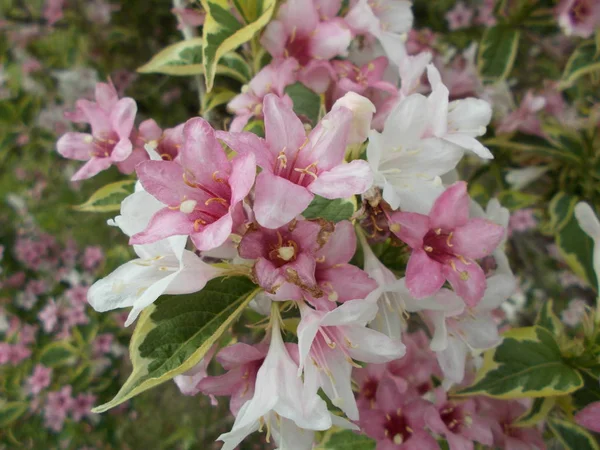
x,y
363,111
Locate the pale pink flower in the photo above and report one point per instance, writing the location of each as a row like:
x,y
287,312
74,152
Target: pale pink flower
x,y
241,361
77,295
188,382
58,405
93,256
522,220
525,118
273,78
82,405
419,41
111,121
445,245
5,352
485,14
49,316
39,379
202,195
100,11
298,32
458,422
53,11
296,167
27,334
189,17
459,17
75,315
103,343
578,17
589,417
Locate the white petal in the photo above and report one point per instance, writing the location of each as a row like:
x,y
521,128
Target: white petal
x,y
587,220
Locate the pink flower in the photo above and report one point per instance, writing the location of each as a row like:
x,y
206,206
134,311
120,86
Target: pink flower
x,y
578,17
485,14
295,167
522,220
27,334
202,194
49,316
189,17
103,343
298,32
58,405
75,315
589,417
338,280
273,78
241,361
53,11
525,118
77,295
40,379
397,422
111,121
5,352
420,41
99,11
445,245
458,422
459,17
285,258
93,257
82,405
367,81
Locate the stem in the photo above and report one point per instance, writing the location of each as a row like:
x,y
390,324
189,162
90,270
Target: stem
x,y
190,33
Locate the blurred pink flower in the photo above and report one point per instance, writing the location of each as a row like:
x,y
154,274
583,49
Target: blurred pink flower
x,y
578,17
460,16
53,11
40,379
82,405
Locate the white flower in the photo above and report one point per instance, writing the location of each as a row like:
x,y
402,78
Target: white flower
x,y
362,110
163,267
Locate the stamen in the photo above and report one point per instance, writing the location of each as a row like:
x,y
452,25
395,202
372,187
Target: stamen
x,y
448,243
428,248
222,201
216,178
198,223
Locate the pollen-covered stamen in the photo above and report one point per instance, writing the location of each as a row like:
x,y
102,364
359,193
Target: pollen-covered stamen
x,y
454,418
396,427
220,200
310,170
281,162
187,179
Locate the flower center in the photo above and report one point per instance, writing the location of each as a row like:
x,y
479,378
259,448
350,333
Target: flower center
x,y
438,245
298,47
396,427
454,418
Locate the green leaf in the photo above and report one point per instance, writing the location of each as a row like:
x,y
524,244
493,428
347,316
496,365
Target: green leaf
x,y
550,321
183,58
223,33
234,66
216,97
589,393
347,440
11,411
57,353
514,200
527,363
108,198
584,60
533,145
174,333
306,102
250,10
574,245
497,52
333,210
539,411
572,436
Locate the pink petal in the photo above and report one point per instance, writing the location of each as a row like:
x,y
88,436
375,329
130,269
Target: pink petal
x,y
213,235
467,280
93,167
238,354
317,75
243,172
122,116
451,209
164,180
306,235
255,244
202,155
303,271
423,275
344,180
589,417
239,122
345,282
75,146
300,15
274,38
277,200
329,138
283,130
98,118
340,247
137,156
328,8
330,39
412,227
121,151
245,142
164,223
267,275
477,238
106,95
149,130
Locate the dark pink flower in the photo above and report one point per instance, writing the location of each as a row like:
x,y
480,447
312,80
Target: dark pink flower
x,y
82,405
39,379
578,17
589,417
446,244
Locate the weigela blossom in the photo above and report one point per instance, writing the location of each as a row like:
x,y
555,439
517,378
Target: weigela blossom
x,y
201,193
445,245
296,166
578,17
111,121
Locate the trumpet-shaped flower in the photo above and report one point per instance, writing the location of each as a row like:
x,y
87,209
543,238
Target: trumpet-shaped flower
x,y
578,17
329,341
111,121
202,194
163,267
295,167
423,138
300,33
278,390
445,245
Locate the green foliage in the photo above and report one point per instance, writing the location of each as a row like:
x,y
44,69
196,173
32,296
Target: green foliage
x,y
572,436
108,198
347,440
11,411
548,320
514,200
583,61
539,410
56,354
183,58
222,32
497,52
307,103
175,333
528,363
333,210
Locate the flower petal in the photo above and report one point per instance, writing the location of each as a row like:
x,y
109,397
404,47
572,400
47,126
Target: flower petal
x,y
245,142
213,235
477,238
344,180
122,116
410,227
202,155
467,280
423,275
451,209
77,146
330,39
164,223
93,167
283,129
